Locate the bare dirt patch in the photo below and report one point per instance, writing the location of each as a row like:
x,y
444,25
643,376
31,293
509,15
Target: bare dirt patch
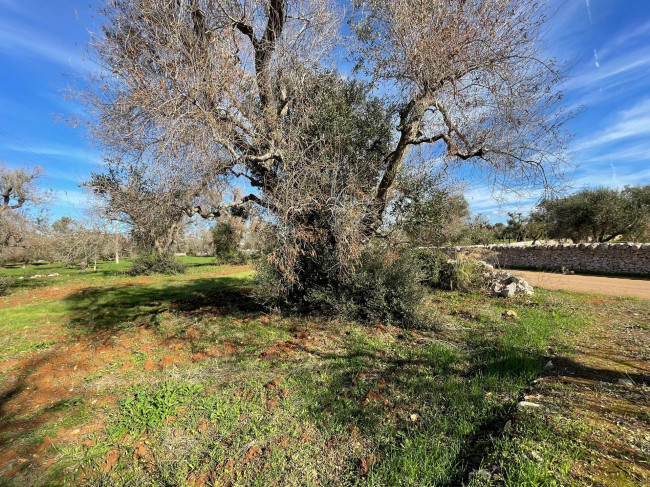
x,y
609,286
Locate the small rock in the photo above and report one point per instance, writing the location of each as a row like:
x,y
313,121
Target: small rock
x,y
549,364
509,313
625,382
507,428
528,404
509,290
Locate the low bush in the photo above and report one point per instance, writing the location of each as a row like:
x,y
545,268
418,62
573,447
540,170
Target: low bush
x,y
5,285
463,274
384,286
432,262
146,263
232,257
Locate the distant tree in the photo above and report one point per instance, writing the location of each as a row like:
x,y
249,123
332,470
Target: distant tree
x,y
225,237
598,215
499,230
63,225
81,243
18,187
21,235
155,206
535,227
480,231
515,226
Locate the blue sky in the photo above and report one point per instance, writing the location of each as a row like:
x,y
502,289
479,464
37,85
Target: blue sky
x,y
606,42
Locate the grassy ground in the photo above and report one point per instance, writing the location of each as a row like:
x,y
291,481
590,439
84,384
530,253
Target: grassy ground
x,y
114,380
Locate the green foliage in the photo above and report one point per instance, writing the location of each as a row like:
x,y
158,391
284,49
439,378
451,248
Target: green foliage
x,y
384,286
233,257
148,408
429,214
598,215
432,262
440,272
5,285
465,275
480,231
146,263
226,238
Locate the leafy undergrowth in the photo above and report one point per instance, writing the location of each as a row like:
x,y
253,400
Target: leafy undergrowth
x,y
188,382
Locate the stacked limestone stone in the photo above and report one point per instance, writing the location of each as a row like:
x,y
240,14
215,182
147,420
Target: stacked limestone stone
x,y
616,258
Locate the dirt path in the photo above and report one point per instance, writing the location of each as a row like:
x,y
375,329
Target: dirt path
x,y
609,286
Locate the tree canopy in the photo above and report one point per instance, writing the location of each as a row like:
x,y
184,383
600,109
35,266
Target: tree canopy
x,y
241,90
598,215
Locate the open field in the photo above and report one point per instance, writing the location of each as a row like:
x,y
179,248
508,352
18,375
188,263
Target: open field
x,y
111,380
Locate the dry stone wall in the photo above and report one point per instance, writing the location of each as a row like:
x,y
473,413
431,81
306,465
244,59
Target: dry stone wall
x,y
606,258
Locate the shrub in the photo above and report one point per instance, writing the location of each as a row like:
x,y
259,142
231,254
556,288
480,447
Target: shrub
x,y
384,286
5,284
146,263
233,257
432,262
461,274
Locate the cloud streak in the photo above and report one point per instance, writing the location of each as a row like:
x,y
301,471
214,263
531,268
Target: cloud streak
x,y
17,40
630,124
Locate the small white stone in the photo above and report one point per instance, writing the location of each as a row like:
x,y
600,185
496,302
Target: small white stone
x,y
530,405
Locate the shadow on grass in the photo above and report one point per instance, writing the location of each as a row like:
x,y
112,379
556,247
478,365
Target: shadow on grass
x,y
119,307
457,412
455,393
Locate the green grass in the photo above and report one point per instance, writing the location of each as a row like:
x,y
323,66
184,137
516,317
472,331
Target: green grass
x,y
297,400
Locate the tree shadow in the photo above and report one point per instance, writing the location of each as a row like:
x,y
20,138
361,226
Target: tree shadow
x,y
113,308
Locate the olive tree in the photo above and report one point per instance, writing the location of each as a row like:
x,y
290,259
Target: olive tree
x,y
598,215
236,86
18,187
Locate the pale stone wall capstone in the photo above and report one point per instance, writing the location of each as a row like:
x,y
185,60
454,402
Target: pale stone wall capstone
x,y
616,258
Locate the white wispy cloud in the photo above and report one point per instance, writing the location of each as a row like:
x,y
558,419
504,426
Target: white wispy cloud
x,y
496,207
611,176
58,151
18,40
629,37
630,124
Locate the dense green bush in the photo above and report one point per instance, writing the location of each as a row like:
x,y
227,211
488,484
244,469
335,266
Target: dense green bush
x,y
5,284
233,257
384,286
464,275
439,272
146,263
226,238
431,262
